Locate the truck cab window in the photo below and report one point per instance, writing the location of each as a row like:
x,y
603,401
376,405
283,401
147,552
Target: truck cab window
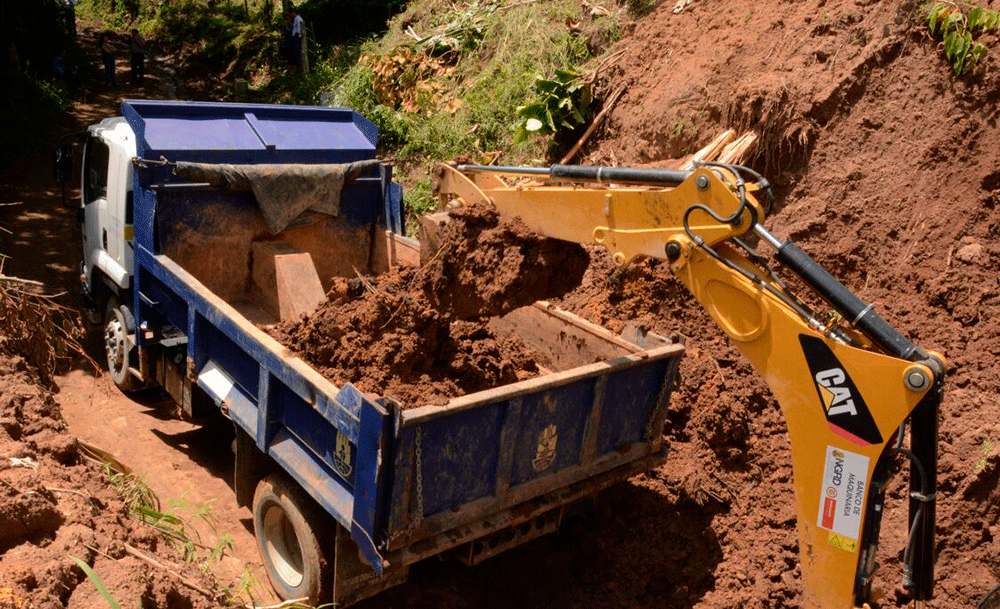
x,y
95,170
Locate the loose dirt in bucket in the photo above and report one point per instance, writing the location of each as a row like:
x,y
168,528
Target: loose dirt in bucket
x,y
420,335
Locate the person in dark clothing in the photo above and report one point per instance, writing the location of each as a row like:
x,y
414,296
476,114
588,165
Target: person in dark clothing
x,y
107,47
71,15
137,45
286,40
62,70
296,39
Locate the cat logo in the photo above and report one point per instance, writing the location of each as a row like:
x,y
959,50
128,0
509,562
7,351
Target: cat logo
x,y
836,397
342,456
846,412
545,452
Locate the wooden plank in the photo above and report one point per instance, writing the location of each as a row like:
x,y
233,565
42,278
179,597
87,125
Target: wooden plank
x,y
430,227
474,400
586,326
508,443
402,251
589,444
286,282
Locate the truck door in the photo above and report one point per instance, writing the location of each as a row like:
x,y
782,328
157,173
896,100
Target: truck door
x,y
95,203
119,203
106,202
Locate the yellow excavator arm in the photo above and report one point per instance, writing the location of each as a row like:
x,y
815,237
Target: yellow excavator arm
x,y
848,383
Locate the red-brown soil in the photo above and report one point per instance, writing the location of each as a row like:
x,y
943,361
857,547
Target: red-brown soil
x,y
420,335
55,505
887,170
888,173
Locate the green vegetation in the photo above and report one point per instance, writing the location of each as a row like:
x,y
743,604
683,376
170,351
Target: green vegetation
x,y
31,34
462,80
985,450
959,25
98,584
444,80
561,103
143,504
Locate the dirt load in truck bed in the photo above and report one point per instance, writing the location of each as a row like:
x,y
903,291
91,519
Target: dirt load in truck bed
x,y
420,335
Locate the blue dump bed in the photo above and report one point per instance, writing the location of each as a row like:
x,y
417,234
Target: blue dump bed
x,y
480,474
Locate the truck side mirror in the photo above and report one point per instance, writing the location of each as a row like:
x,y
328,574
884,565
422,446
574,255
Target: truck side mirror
x,y
62,163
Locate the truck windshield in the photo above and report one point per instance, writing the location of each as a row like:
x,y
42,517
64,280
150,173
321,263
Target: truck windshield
x,y
95,170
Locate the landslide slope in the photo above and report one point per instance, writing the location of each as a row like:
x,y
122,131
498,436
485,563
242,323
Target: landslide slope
x,y
887,168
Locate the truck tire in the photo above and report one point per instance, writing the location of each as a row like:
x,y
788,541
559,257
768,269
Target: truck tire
x,y
289,529
118,324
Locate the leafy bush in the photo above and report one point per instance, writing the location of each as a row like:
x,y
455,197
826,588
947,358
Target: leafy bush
x,y
447,79
562,103
959,29
35,101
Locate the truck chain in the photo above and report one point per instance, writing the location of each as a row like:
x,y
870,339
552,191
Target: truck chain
x,y
418,518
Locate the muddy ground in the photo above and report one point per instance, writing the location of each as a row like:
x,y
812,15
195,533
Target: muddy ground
x,y
887,169
56,501
57,505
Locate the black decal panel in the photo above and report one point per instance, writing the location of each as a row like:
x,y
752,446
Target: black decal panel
x,y
845,409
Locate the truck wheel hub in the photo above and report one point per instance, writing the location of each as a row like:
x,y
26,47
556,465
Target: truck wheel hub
x,y
283,546
114,337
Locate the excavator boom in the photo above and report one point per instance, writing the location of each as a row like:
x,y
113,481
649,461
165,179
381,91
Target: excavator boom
x,y
847,383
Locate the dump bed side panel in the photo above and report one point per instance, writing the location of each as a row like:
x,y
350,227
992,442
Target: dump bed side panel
x,y
329,439
458,464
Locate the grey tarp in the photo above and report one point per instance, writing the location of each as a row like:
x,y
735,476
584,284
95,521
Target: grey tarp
x,y
283,192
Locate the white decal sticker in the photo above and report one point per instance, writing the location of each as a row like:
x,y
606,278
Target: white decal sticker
x,y
842,500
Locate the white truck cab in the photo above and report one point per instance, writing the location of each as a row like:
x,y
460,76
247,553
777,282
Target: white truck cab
x,y
106,213
106,201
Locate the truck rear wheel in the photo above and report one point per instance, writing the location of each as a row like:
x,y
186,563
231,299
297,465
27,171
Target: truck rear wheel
x,y
288,526
118,324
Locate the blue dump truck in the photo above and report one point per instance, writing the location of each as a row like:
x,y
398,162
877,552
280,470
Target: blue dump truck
x,y
347,489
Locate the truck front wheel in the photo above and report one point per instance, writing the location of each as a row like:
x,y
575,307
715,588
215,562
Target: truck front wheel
x,y
287,524
118,324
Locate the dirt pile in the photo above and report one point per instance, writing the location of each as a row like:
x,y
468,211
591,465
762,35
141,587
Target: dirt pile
x,y
886,168
420,335
55,505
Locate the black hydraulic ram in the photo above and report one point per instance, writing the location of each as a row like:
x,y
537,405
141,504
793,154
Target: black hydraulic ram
x,y
591,173
923,420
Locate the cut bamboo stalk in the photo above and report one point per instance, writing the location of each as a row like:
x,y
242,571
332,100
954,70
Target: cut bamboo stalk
x,y
711,151
738,151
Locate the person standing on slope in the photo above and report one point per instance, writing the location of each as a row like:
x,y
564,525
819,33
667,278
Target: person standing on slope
x,y
296,39
107,47
138,47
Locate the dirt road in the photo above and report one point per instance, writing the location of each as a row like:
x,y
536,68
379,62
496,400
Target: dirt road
x,y
188,467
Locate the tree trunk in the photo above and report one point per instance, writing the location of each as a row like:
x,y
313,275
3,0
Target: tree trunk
x,y
305,50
